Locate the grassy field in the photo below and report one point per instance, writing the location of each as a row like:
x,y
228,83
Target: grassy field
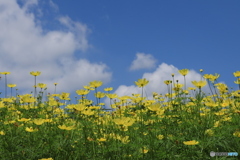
x,y
184,124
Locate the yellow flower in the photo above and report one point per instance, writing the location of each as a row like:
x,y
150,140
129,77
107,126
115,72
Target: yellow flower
x,y
178,85
209,132
82,92
167,82
160,137
88,87
64,96
5,73
108,89
11,85
236,74
24,119
37,73
183,72
2,133
79,107
95,84
99,94
111,96
194,142
88,112
102,139
27,99
30,129
199,84
237,133
191,88
46,159
238,81
144,150
216,124
55,84
126,121
124,140
64,127
201,70
141,82
38,121
155,107
42,85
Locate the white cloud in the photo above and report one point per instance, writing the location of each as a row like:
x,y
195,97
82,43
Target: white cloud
x,y
156,82
25,46
143,61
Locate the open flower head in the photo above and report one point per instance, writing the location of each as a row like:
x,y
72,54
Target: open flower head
x,y
11,85
95,84
5,73
42,85
37,73
183,72
236,74
30,129
108,89
194,142
141,82
199,84
82,92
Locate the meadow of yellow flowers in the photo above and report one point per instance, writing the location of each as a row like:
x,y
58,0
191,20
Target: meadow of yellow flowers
x,y
175,125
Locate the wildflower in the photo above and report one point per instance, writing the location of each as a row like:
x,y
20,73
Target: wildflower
x,y
46,159
102,139
108,89
144,150
38,121
209,132
37,73
5,73
183,72
64,127
95,84
27,99
24,119
201,70
88,87
199,84
2,133
160,137
124,140
99,95
88,112
194,142
237,133
191,88
126,121
111,96
11,85
30,129
64,96
238,81
79,107
82,92
42,85
236,74
141,82
155,107
167,82
216,124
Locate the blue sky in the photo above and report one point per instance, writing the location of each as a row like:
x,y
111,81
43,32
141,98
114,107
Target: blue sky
x,y
117,42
